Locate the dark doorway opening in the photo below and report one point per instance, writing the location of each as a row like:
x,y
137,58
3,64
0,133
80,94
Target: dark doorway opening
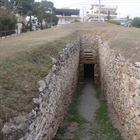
x,y
89,71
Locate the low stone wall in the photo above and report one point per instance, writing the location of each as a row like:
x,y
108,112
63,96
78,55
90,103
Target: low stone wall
x,y
56,91
120,83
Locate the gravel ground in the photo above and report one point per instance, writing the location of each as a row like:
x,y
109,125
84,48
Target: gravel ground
x,y
88,105
88,102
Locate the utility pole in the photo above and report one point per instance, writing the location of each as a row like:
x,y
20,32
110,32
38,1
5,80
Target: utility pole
x,y
51,16
83,14
49,10
99,10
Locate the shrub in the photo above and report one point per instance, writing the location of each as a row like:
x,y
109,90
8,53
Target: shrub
x,y
136,22
7,22
76,20
114,22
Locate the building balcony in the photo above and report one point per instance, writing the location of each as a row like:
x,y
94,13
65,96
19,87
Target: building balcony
x,y
101,15
105,13
95,17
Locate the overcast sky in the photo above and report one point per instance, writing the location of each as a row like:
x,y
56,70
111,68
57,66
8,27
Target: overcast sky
x,y
125,7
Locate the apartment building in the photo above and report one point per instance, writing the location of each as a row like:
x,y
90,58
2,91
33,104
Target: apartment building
x,y
67,15
101,13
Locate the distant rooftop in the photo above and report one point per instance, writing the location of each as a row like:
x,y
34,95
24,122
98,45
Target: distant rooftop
x,y
105,6
109,7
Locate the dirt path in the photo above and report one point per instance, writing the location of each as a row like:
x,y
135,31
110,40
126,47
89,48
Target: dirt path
x,y
87,107
88,102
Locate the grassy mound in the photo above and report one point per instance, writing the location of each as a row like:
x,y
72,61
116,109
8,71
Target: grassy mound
x,y
26,58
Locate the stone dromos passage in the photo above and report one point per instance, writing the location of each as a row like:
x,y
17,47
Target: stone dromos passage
x,y
89,58
119,80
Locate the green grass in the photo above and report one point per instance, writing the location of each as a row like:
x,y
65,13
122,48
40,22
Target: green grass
x,y
72,116
73,109
19,77
104,128
60,133
22,64
98,92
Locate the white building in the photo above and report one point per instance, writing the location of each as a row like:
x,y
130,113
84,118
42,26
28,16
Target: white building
x,y
67,15
102,13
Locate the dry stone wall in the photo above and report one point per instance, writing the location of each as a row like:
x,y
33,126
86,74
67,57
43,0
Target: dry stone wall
x,y
120,83
89,49
89,55
55,95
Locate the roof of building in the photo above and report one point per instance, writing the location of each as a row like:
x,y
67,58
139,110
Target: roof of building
x,y
109,8
68,12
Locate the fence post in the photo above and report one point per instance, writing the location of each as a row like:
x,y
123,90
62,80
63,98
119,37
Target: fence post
x,y
5,34
8,32
0,34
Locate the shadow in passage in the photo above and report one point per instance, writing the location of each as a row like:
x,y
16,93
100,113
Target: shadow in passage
x,y
89,72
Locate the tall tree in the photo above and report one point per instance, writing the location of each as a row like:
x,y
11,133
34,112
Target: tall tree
x,y
128,18
136,22
7,19
26,6
43,10
46,11
7,22
108,15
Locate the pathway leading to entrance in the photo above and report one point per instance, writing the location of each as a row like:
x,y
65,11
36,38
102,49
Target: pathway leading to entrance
x,y
88,106
87,118
88,102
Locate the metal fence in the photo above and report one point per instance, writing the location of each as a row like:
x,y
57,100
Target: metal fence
x,y
4,34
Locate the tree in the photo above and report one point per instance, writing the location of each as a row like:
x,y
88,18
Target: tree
x,y
26,6
7,19
76,20
10,5
108,16
45,11
47,4
136,22
7,6
114,22
54,19
7,22
128,18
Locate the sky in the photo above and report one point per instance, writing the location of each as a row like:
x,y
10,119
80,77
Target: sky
x,y
125,7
